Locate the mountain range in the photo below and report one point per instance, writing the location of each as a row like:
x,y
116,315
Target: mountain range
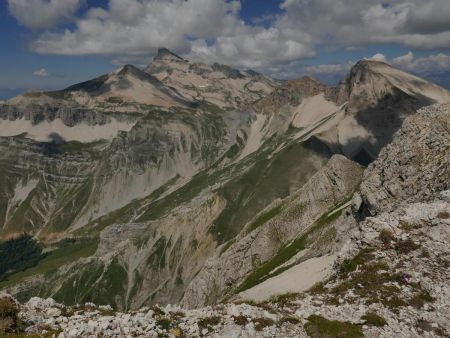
x,y
195,184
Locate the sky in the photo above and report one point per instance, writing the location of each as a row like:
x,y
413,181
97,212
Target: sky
x,y
50,44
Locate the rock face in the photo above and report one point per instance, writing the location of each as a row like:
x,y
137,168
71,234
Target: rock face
x,y
414,167
192,182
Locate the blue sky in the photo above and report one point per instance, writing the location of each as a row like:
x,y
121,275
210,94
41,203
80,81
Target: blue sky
x,y
50,44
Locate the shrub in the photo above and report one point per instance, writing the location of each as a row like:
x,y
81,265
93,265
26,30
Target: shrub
x,y
443,215
425,326
406,246
407,226
425,254
8,315
240,320
350,265
318,288
319,327
386,237
176,332
285,299
288,319
164,323
419,300
207,322
261,323
393,303
374,319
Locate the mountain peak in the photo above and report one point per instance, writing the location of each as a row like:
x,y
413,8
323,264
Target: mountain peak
x,y
165,54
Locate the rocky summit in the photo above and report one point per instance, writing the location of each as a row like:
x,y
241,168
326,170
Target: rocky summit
x,y
187,199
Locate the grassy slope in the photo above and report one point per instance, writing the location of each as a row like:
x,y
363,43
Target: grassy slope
x,y
267,269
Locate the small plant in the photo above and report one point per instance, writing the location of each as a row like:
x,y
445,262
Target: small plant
x,y
407,226
164,323
425,254
423,325
350,265
288,319
158,311
318,288
266,306
406,246
261,323
374,319
177,314
208,322
443,215
285,299
8,315
320,327
386,237
240,320
419,300
176,332
393,303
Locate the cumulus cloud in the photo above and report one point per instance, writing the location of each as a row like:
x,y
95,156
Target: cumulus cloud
x,y
378,57
212,30
253,48
329,69
38,14
427,65
203,29
348,23
135,27
41,72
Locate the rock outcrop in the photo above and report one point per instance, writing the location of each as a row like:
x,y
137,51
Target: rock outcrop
x,y
414,167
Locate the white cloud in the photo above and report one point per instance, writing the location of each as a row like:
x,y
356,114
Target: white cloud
x,y
212,30
202,29
253,48
329,69
41,72
137,27
378,57
403,60
424,65
350,23
39,14
434,64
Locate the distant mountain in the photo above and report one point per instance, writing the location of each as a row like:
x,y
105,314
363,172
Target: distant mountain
x,y
218,84
184,182
359,116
